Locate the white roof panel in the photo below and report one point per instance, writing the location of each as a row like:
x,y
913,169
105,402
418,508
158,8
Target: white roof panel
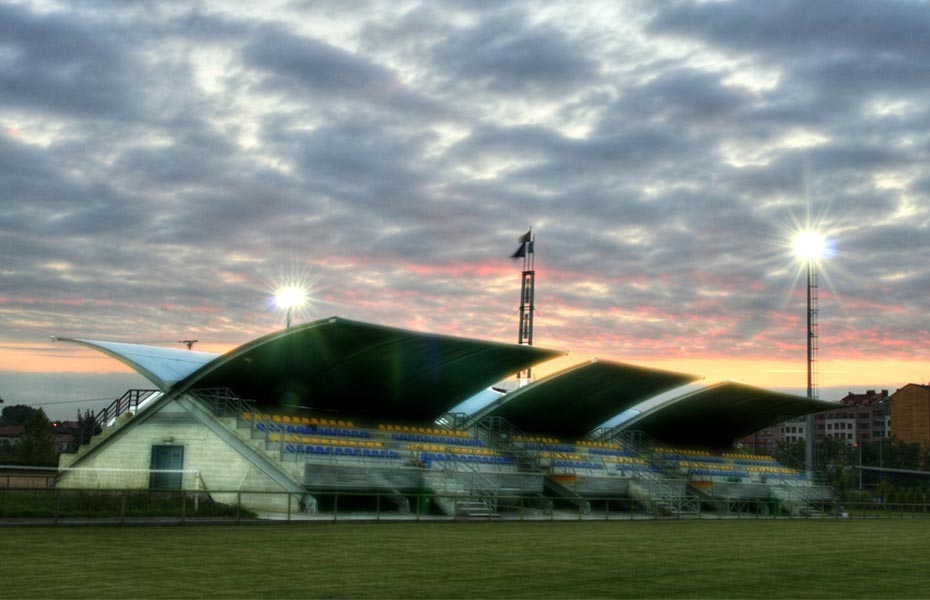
x,y
162,366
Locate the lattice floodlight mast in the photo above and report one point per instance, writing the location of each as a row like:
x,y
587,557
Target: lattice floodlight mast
x,y
811,362
810,246
812,350
526,251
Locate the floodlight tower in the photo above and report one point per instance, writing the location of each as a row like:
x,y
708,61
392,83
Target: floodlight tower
x,y
289,298
526,251
809,247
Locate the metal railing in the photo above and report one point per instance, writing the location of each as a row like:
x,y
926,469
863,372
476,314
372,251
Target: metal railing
x,y
129,402
58,506
223,402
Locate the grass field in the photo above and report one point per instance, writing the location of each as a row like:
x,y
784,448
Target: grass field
x,y
648,559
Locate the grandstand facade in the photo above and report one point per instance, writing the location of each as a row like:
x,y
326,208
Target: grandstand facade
x,y
339,406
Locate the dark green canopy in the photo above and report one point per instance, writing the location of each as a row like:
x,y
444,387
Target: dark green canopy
x,y
716,416
363,369
574,401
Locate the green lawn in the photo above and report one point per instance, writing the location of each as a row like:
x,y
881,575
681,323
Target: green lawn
x,y
648,559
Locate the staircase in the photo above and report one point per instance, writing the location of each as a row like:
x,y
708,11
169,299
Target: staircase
x,y
660,493
457,498
107,421
229,409
801,499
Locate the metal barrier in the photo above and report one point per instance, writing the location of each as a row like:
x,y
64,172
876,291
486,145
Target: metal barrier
x,y
58,506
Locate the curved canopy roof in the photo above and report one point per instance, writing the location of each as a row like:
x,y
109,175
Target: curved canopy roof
x,y
716,416
162,366
572,402
363,369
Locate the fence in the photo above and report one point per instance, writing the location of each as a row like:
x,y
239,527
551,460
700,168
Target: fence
x,y
58,506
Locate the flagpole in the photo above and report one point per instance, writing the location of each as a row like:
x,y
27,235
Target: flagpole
x,y
527,251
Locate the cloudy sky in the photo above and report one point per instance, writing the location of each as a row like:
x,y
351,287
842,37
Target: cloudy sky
x,y
165,165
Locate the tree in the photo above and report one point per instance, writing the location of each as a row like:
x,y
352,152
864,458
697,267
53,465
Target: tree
x,y
790,453
16,414
37,446
87,427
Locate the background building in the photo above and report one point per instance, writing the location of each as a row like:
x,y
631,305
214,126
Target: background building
x,y
910,413
861,418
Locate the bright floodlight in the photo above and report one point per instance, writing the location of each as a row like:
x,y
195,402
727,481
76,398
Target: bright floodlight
x,y
290,297
809,245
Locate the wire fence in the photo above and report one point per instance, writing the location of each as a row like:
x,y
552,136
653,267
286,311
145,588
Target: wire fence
x,y
59,506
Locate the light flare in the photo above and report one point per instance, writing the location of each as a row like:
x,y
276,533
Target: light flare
x,y
809,245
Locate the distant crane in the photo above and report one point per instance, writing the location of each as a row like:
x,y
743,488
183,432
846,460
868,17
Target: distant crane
x,y
188,343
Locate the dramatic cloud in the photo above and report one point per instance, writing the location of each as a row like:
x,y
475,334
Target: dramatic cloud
x,y
163,167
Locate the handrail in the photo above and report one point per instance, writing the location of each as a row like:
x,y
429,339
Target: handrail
x,y
488,492
223,401
501,431
128,402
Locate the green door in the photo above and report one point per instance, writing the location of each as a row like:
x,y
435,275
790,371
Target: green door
x,y
166,458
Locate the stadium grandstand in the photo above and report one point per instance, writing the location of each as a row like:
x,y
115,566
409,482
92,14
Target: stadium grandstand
x,y
340,406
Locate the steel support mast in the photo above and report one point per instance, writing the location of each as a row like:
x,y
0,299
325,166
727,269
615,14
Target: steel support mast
x,y
811,363
526,251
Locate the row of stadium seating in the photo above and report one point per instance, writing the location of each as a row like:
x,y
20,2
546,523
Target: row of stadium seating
x,y
311,429
625,460
422,430
294,420
715,472
689,452
677,456
428,458
436,439
546,455
549,447
537,439
610,452
577,464
601,445
738,456
775,469
305,439
340,451
758,468
452,449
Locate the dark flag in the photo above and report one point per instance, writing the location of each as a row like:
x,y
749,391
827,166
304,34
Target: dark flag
x,y
525,237
523,249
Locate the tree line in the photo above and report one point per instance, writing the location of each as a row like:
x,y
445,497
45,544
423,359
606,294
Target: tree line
x,y
38,445
837,462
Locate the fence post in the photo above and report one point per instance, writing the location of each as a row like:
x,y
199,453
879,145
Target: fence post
x,y
238,506
289,508
336,506
57,505
183,506
122,507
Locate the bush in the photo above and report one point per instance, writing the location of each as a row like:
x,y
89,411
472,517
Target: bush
x,y
106,503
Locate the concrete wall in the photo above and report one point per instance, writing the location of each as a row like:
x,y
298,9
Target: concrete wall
x,y
124,462
910,414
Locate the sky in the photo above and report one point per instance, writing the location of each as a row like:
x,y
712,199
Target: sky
x,y
164,166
